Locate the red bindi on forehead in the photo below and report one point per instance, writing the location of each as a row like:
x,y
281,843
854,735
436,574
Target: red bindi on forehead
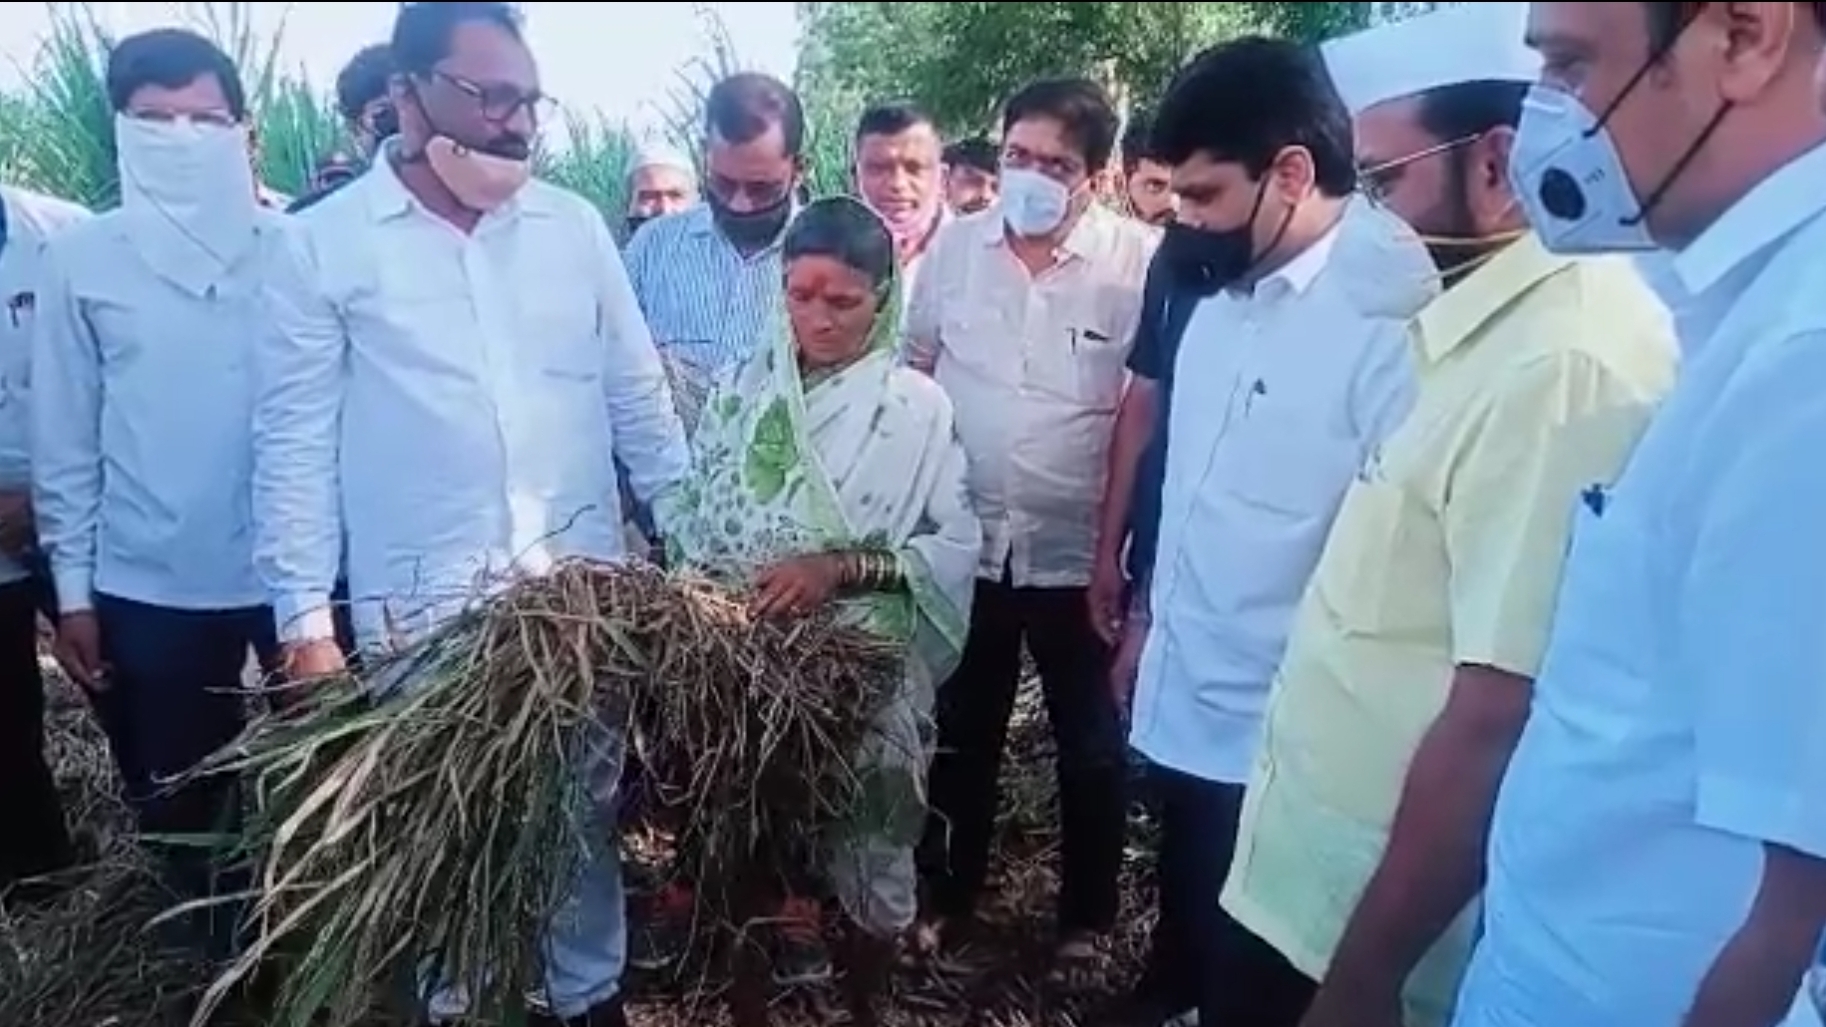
x,y
824,276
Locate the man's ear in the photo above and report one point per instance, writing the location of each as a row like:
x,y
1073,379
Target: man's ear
x,y
1491,156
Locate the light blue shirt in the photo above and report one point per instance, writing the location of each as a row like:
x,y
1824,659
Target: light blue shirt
x,y
708,306
1677,719
453,401
1302,379
142,389
28,219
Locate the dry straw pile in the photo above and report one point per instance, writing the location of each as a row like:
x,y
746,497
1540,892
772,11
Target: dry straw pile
x,y
436,821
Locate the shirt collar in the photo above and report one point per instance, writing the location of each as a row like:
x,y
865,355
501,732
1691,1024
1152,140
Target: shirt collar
x,y
1460,311
1777,206
700,221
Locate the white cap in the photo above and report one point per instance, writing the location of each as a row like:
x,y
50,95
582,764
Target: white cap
x,y
659,155
1473,42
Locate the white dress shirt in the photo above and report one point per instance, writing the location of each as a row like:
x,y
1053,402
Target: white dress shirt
x,y
1282,396
142,390
30,219
1677,721
1035,366
453,401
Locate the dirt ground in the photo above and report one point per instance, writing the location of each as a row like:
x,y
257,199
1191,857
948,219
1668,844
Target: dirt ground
x,y
998,980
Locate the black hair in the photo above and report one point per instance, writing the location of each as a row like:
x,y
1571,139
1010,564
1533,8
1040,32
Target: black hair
x,y
1247,100
975,152
1138,144
1080,106
171,59
1465,110
422,32
846,231
891,119
744,106
1666,21
364,79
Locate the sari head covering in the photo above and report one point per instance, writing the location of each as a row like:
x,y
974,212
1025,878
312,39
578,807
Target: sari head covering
x,y
858,457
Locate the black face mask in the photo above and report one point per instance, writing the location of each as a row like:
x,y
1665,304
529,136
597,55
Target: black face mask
x,y
1205,260
752,229
635,221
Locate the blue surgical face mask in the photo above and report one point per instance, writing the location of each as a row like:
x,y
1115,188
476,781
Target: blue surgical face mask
x,y
1033,205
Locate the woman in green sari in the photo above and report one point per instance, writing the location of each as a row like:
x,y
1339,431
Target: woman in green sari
x,y
825,473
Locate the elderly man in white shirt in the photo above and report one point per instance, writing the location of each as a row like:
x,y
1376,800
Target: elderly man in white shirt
x,y
1025,313
37,841
1658,852
142,390
458,357
1299,350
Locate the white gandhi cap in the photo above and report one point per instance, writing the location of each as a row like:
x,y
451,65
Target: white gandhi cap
x,y
661,156
1473,42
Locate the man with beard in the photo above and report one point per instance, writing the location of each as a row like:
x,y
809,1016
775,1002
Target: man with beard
x,y
972,175
1147,182
1409,672
457,356
661,181
901,176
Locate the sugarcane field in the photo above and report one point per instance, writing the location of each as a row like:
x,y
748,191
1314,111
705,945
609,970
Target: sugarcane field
x,y
360,832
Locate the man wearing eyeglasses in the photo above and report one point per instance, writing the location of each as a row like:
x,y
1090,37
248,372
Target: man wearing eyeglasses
x,y
1409,672
708,277
458,362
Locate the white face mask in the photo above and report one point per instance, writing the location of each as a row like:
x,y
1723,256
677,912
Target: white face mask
x,y
192,186
1032,204
1567,173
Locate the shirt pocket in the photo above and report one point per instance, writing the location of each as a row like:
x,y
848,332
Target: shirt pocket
x,y
1099,364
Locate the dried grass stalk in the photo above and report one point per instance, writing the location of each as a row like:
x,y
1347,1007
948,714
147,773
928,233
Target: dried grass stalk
x,y
89,958
437,819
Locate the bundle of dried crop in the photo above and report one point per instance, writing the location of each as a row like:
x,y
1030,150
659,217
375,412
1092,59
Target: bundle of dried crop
x,y
421,817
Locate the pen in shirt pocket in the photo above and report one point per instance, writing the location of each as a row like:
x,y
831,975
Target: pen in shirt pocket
x,y
1256,388
1085,334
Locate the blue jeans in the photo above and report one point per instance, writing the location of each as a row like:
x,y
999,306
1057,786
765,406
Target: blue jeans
x,y
586,943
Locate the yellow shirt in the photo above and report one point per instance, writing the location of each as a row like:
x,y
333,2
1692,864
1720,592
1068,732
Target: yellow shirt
x,y
1537,374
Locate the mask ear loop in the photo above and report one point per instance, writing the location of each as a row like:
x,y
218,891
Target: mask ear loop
x,y
1657,194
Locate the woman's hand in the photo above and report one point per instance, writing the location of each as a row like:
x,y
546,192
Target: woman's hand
x,y
797,587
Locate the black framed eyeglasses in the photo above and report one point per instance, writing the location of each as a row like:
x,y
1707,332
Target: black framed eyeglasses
x,y
498,103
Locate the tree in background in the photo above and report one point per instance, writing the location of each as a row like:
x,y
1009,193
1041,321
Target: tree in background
x,y
960,60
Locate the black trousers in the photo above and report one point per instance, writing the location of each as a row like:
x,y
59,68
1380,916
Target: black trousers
x,y
1242,981
174,696
974,708
34,839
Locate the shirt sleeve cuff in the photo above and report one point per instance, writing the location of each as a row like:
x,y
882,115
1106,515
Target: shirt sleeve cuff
x,y
304,618
1761,812
75,589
